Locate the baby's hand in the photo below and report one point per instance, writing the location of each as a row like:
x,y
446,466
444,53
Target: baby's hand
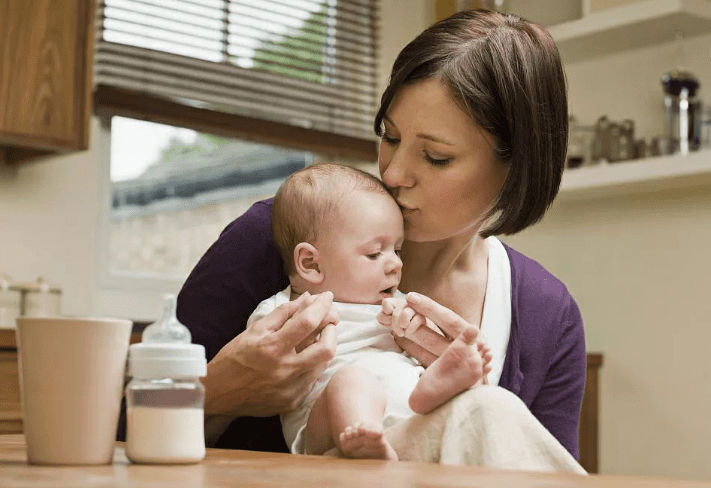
x,y
389,307
397,316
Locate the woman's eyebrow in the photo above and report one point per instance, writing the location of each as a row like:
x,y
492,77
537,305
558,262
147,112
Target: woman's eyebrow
x,y
434,139
422,135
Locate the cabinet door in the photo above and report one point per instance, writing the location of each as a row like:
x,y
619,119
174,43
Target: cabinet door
x,y
45,73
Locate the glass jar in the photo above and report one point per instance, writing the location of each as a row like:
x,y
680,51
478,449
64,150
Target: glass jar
x,y
9,303
165,403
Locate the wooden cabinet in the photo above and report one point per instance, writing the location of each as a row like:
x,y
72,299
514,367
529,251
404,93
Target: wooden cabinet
x,y
45,77
10,407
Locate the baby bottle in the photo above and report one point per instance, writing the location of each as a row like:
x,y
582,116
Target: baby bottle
x,y
165,399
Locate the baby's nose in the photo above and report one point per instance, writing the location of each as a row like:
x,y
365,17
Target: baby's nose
x,y
394,263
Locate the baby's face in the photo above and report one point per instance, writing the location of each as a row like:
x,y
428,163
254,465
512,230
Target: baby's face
x,y
360,253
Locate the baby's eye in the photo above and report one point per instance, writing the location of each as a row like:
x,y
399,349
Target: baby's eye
x,y
397,252
373,256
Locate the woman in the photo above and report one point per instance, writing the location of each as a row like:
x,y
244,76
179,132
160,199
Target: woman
x,y
473,128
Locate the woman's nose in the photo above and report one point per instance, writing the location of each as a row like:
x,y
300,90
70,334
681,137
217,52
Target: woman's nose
x,y
394,169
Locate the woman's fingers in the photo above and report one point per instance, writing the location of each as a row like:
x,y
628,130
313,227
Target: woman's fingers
x,y
304,321
418,320
418,352
448,321
430,340
330,318
275,320
322,350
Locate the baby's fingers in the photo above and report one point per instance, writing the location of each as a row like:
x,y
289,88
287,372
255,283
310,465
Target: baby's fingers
x,y
401,321
384,319
389,305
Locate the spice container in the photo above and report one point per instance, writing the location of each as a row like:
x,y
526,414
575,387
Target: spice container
x,y
39,299
165,399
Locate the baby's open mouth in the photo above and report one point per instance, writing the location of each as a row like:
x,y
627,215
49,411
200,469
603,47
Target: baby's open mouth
x,y
389,291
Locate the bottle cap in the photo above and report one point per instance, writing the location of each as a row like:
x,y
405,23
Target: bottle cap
x,y
167,360
166,351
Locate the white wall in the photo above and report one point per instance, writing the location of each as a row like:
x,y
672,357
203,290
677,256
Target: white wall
x,y
48,225
640,269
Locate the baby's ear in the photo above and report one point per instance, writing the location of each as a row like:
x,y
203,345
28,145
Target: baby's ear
x,y
306,259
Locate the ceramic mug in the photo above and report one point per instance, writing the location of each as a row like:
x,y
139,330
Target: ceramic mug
x,y
71,381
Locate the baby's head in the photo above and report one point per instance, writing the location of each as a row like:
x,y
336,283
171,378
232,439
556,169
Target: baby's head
x,y
338,229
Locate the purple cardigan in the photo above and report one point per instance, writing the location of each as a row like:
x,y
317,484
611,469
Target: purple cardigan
x,y
545,358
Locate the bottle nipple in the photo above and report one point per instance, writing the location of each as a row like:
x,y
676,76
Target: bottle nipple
x,y
167,328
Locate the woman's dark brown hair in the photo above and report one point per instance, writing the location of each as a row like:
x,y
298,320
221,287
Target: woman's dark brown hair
x,y
506,73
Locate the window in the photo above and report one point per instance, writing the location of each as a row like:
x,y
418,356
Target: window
x,y
171,199
299,73
207,105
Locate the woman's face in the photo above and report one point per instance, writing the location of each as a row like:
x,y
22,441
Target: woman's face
x,y
438,163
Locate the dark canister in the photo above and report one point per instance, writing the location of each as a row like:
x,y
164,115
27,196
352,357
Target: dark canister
x,y
682,111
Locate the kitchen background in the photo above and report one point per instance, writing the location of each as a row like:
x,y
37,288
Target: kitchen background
x,y
638,263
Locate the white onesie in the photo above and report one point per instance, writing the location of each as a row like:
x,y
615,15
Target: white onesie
x,y
362,341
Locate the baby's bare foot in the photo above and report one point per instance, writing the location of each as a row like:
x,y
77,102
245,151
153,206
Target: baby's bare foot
x,y
366,441
458,368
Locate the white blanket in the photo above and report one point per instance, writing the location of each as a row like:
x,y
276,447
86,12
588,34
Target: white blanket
x,y
485,426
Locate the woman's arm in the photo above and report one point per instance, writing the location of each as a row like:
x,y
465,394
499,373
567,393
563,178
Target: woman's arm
x,y
557,404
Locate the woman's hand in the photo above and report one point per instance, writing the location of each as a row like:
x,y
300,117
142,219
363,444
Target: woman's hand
x,y
425,329
270,367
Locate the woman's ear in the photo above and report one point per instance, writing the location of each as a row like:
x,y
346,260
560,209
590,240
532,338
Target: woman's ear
x,y
306,259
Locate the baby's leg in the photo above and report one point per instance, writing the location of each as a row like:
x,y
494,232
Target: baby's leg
x,y
349,415
458,368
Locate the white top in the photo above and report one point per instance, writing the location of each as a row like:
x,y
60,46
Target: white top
x,y
363,342
496,317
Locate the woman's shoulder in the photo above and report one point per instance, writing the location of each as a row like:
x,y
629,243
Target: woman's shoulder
x,y
255,222
541,304
531,281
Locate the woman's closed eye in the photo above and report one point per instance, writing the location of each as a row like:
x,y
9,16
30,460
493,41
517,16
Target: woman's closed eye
x,y
389,140
435,161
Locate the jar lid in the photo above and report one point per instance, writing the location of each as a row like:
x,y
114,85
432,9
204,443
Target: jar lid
x,y
166,360
675,80
39,286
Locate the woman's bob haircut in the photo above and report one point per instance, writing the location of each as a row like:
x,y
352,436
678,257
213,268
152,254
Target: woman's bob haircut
x,y
507,75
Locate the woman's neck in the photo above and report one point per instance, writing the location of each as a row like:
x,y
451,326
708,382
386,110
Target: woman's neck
x,y
436,262
453,273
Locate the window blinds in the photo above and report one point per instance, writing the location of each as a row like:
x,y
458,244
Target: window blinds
x,y
301,69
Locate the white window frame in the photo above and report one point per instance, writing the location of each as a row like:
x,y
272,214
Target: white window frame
x,y
137,296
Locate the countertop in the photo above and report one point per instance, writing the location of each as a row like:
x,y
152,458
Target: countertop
x,y
224,468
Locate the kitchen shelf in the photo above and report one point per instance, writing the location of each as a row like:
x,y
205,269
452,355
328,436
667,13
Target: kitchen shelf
x,y
634,25
638,176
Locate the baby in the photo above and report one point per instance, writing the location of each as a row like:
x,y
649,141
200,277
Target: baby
x,y
339,230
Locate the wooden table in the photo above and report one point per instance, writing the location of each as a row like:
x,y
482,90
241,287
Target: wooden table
x,y
11,416
244,469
